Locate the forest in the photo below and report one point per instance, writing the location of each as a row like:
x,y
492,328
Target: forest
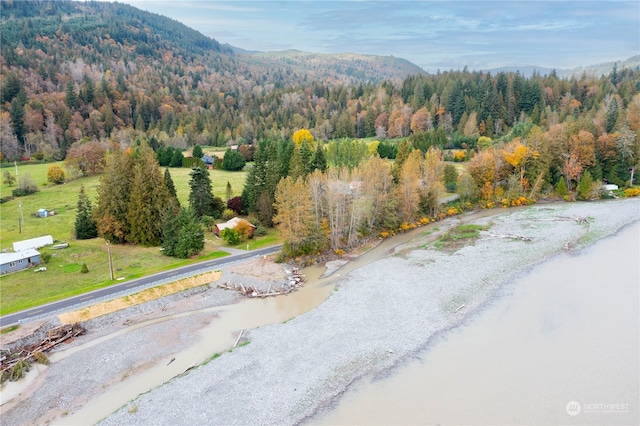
x,y
338,152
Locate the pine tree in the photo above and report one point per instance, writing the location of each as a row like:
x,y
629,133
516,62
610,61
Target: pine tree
x,y
182,234
171,188
611,117
71,96
197,151
85,225
148,199
110,212
201,198
229,191
319,160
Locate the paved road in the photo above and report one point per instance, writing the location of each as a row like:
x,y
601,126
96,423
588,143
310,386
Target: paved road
x,y
24,316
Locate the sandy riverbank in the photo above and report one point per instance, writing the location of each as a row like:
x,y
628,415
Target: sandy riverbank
x,y
382,313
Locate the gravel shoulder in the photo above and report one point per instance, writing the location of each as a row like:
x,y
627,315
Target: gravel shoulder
x,y
381,314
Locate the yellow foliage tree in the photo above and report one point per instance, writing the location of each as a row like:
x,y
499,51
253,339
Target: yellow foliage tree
x,y
302,135
517,155
55,174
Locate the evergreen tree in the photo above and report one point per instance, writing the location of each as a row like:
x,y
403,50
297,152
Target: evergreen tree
x,y
319,160
171,188
12,87
229,191
17,115
611,117
85,225
182,234
148,199
114,189
201,198
197,151
585,187
176,158
305,157
233,160
71,96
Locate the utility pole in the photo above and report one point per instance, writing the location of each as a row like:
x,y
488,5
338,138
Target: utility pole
x,y
21,218
110,262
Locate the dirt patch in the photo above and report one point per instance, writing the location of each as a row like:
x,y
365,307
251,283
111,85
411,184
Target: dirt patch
x,y
138,298
263,267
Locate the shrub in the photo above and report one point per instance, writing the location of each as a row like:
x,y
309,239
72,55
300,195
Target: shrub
x,y
231,236
8,178
244,229
26,186
228,214
55,174
41,358
632,192
260,231
45,257
84,269
235,204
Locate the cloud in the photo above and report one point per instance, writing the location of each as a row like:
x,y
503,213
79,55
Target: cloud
x,y
545,33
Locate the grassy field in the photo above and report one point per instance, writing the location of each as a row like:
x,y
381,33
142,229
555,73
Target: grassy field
x,y
62,279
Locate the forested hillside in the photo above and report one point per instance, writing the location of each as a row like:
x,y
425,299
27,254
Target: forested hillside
x,y
79,79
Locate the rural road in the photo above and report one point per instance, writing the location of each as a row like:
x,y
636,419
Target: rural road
x,y
25,315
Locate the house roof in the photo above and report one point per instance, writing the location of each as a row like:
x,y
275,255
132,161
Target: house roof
x,y
23,254
231,223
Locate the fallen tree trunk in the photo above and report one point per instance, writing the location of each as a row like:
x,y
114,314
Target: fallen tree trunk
x,y
31,353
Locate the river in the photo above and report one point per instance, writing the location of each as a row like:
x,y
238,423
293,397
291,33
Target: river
x,y
560,344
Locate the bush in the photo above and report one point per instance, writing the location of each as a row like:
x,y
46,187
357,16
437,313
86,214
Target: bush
x,y
260,231
45,257
8,178
26,186
228,214
235,204
231,236
55,174
84,269
632,192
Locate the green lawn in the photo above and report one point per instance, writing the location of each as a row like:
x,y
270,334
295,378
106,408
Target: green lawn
x,y
62,279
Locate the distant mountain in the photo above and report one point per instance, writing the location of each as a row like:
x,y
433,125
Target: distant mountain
x,y
356,68
596,70
603,68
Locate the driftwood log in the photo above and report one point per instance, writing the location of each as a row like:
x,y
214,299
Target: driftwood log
x,y
55,336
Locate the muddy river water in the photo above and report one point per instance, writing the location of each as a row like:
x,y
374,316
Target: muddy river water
x,y
558,345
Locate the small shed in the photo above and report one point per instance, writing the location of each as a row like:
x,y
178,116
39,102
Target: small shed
x,y
17,261
232,223
33,243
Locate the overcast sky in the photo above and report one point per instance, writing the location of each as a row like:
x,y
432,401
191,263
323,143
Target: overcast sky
x,y
434,35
